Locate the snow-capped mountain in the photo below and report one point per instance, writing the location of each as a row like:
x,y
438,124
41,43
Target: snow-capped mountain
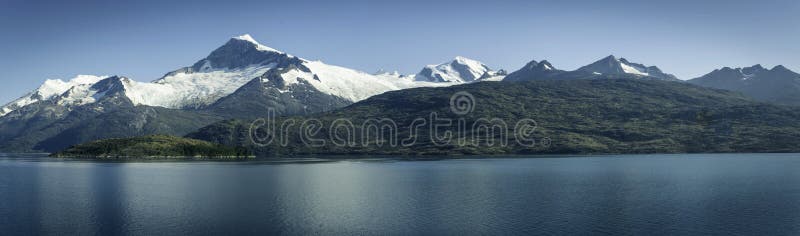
x,y
221,73
243,78
240,79
242,59
459,70
779,84
610,65
51,89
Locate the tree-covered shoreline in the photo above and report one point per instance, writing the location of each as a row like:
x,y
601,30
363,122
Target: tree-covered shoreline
x,y
153,147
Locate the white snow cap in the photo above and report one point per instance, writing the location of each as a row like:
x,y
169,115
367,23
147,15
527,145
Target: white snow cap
x,y
259,46
447,72
246,37
467,61
50,89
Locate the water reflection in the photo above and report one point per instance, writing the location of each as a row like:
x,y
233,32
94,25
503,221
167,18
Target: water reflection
x,y
108,200
662,194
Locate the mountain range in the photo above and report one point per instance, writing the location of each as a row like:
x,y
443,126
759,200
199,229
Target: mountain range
x,y
777,85
242,78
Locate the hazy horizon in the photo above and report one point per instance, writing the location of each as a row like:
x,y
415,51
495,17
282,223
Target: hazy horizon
x,y
50,39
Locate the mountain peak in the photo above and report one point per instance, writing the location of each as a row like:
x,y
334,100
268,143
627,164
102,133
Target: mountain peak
x,y
534,70
460,69
780,68
538,66
621,66
238,53
610,58
774,85
749,71
251,40
461,59
111,84
246,37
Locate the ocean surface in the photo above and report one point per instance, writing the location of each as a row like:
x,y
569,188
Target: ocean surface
x,y
702,194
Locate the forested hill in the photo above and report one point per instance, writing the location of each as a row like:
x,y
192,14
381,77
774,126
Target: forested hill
x,y
605,115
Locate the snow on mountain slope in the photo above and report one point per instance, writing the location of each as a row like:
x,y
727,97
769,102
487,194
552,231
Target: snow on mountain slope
x,y
231,66
223,71
242,59
259,46
50,89
630,69
347,83
459,70
614,66
191,90
226,69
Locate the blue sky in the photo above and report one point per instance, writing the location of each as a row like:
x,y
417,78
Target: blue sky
x,y
145,39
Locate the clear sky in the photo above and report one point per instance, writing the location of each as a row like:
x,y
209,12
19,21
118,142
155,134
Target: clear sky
x,y
145,39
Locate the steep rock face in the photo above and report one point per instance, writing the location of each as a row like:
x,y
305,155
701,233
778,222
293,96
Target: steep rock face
x,y
778,85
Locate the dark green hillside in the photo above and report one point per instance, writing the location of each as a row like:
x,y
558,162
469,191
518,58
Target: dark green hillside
x,y
153,147
616,115
50,133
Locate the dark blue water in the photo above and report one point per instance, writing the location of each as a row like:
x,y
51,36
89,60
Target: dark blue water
x,y
747,194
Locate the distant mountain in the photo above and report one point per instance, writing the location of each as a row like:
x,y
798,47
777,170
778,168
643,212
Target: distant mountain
x,y
50,89
610,114
610,65
545,71
778,85
459,70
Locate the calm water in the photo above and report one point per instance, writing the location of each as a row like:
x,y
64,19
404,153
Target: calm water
x,y
750,194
